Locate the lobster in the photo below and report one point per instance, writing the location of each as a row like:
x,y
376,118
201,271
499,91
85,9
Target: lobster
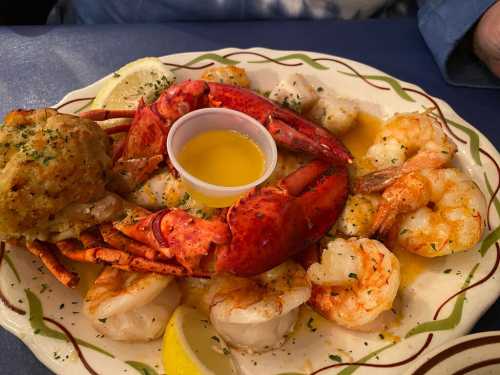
x,y
261,230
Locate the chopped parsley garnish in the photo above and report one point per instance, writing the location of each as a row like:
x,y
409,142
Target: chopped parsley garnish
x,y
335,358
310,326
184,199
292,104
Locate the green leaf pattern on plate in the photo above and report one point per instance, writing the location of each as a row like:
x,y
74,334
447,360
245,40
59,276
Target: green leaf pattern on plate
x,y
452,320
496,202
210,56
391,81
473,139
142,368
40,328
294,56
12,267
350,369
488,242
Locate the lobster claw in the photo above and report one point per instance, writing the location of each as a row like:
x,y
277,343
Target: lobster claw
x,y
143,149
287,128
271,224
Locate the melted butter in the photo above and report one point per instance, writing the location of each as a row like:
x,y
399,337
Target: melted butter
x,y
412,266
211,201
223,157
391,337
360,138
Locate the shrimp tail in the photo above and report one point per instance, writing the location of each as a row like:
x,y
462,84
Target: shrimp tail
x,y
385,219
377,181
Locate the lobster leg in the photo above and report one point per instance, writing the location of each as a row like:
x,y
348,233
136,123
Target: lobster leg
x,y
138,264
117,240
106,114
117,258
44,252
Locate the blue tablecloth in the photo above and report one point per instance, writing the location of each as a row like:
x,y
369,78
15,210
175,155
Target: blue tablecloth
x,y
38,65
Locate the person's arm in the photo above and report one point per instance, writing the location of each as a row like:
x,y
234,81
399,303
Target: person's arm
x,y
486,40
448,27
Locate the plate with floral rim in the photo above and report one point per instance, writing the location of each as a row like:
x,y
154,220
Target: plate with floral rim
x,y
441,303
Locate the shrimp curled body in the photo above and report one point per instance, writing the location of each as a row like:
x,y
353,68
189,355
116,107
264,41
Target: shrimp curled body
x,y
255,314
432,212
408,142
355,282
128,306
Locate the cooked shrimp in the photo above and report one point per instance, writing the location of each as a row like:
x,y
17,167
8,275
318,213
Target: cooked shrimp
x,y
408,142
438,211
357,217
127,306
355,282
231,75
256,314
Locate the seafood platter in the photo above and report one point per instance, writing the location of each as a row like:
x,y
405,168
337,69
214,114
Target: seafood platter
x,y
245,212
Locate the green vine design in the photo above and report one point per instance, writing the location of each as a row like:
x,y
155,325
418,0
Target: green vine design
x,y
473,140
496,202
488,242
210,56
391,81
40,328
142,368
294,56
493,236
350,369
452,320
12,267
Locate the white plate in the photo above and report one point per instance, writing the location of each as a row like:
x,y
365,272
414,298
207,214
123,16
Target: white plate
x,y
437,307
477,354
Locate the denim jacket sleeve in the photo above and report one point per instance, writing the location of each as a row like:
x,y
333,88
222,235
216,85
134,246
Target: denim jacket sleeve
x,y
446,26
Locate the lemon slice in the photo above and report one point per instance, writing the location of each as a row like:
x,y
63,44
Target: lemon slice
x,y
191,346
146,77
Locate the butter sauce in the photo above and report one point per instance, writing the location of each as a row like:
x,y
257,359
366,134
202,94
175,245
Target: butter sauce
x,y
223,157
360,138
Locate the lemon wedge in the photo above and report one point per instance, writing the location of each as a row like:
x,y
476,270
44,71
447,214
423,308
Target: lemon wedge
x,y
146,77
191,346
